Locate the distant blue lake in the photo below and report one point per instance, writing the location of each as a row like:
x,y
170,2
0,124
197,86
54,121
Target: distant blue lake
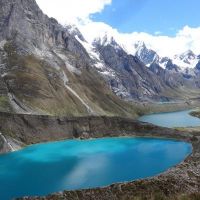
x,y
172,119
74,164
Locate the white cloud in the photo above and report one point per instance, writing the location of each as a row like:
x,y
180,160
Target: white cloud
x,y
78,12
157,33
68,11
185,39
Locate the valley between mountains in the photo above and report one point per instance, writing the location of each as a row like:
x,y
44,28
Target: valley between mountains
x,y
50,69
57,85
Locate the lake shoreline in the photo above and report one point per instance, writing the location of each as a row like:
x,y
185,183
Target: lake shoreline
x,y
162,184
176,181
103,153
195,113
173,119
181,179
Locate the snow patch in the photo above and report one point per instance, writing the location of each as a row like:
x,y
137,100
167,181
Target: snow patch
x,y
4,74
163,64
108,73
68,65
183,64
96,57
99,65
89,48
44,53
121,91
72,69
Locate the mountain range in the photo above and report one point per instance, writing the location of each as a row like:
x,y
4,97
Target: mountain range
x,y
145,75
47,68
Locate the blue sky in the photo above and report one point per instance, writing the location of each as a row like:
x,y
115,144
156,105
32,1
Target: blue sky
x,y
150,16
129,21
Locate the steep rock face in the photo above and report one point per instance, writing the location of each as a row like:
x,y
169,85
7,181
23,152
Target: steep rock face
x,y
169,77
24,23
131,76
4,147
186,60
24,128
48,68
171,66
130,79
147,56
176,73
45,69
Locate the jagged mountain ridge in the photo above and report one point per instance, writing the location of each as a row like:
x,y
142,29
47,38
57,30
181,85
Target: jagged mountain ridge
x,y
127,76
181,62
45,69
147,56
134,79
173,77
48,68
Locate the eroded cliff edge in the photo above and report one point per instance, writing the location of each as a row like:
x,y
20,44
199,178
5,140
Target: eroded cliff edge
x,y
30,129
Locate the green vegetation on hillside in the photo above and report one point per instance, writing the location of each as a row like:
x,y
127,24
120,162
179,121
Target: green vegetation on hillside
x,y
39,85
5,104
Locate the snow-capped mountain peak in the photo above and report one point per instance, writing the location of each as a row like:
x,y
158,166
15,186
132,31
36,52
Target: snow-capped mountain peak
x,y
105,40
73,30
186,60
108,40
147,56
139,45
187,55
180,62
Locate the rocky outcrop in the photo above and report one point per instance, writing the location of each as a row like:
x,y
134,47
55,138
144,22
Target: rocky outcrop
x,y
4,146
24,23
145,76
147,56
131,74
31,129
9,144
171,66
46,70
71,72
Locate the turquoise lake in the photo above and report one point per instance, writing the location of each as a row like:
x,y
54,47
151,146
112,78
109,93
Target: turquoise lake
x,y
172,119
76,164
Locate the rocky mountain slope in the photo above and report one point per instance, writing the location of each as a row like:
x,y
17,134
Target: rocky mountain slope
x,y
46,68
143,76
181,62
150,76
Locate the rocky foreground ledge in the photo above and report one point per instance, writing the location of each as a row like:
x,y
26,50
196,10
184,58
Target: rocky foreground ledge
x,y
180,182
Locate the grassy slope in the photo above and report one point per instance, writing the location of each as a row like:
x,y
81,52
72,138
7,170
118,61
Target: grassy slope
x,y
38,85
183,93
4,104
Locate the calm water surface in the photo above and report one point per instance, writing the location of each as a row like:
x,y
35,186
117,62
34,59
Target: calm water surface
x,y
172,119
74,164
